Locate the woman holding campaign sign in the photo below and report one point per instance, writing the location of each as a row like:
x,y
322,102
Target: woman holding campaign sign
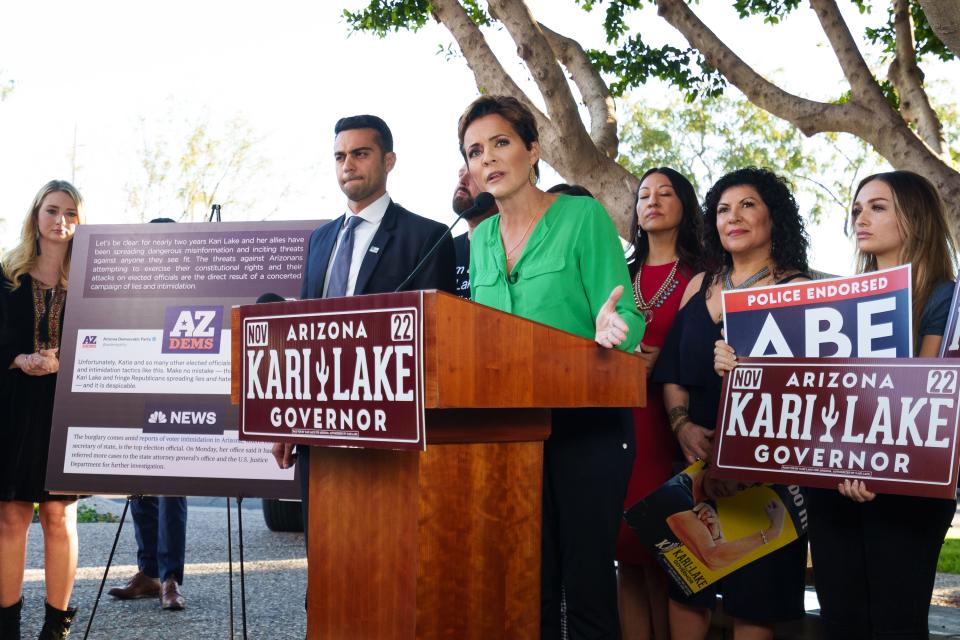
x,y
33,291
666,239
557,259
875,557
753,236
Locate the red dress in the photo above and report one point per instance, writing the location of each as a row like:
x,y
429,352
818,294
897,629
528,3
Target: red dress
x,y
656,445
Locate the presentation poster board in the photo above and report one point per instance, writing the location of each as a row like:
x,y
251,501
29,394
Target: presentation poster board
x,y
343,372
701,528
866,316
143,394
813,422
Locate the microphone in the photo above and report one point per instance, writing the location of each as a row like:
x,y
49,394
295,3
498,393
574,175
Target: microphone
x,y
483,202
270,297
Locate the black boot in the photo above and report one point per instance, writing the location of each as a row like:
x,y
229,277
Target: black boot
x,y
56,624
10,621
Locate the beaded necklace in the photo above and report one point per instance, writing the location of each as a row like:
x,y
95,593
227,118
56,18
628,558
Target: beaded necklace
x,y
746,284
647,307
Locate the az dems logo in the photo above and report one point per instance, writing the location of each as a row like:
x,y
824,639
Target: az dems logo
x,y
192,330
89,342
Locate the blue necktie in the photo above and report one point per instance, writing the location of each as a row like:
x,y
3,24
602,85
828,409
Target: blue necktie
x,y
340,272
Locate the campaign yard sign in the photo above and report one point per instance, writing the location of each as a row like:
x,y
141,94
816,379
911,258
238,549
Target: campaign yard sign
x,y
341,372
813,422
867,316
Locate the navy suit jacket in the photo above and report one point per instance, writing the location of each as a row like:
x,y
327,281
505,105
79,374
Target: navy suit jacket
x,y
402,240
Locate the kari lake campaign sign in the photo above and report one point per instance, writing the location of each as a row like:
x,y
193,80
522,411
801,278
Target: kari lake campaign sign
x,y
143,394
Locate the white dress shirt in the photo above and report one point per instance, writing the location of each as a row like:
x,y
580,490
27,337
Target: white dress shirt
x,y
362,237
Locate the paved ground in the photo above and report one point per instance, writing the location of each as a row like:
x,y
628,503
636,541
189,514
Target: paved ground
x,y
276,577
275,583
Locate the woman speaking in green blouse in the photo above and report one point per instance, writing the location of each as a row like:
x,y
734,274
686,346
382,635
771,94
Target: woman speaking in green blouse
x,y
556,259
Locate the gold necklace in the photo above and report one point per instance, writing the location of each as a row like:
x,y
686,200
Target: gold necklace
x,y
525,232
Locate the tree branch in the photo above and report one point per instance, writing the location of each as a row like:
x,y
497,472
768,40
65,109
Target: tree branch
x,y
908,80
809,116
535,51
862,82
565,144
944,19
489,74
595,93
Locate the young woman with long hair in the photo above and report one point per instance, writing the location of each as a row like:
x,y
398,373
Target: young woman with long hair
x,y
33,290
875,557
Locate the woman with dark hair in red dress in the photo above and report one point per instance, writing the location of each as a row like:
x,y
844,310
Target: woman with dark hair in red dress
x,y
666,238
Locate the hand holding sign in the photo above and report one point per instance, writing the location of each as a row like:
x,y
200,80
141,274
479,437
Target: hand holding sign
x,y
856,490
611,329
724,357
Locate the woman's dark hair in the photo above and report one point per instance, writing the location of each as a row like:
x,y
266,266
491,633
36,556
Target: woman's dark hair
x,y
788,238
570,189
688,233
508,108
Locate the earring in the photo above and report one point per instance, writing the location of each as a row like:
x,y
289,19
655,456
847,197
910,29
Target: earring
x,y
533,176
38,241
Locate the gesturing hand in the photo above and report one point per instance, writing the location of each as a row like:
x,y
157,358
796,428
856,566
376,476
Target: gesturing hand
x,y
611,329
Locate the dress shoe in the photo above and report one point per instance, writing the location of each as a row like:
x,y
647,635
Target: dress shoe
x,y
170,597
140,586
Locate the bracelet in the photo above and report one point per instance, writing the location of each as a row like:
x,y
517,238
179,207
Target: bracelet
x,y
763,536
676,415
679,426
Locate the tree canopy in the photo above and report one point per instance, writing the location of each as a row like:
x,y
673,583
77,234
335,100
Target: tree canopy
x,y
890,111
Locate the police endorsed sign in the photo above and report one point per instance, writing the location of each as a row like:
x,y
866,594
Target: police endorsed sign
x,y
890,422
339,372
866,316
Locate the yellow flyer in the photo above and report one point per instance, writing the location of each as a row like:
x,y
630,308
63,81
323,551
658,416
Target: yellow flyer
x,y
701,528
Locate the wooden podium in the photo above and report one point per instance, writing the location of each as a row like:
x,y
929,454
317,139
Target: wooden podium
x,y
445,543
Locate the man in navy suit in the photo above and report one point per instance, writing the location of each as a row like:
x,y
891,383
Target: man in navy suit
x,y
382,242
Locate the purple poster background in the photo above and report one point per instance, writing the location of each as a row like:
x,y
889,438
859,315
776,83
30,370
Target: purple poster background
x,y
143,393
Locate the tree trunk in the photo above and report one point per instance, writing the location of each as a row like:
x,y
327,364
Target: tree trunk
x,y
944,19
580,157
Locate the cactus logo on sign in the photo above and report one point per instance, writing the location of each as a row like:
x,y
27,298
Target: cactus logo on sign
x,y
192,330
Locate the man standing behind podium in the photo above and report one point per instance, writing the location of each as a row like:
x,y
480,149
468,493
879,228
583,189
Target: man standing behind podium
x,y
463,200
373,247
